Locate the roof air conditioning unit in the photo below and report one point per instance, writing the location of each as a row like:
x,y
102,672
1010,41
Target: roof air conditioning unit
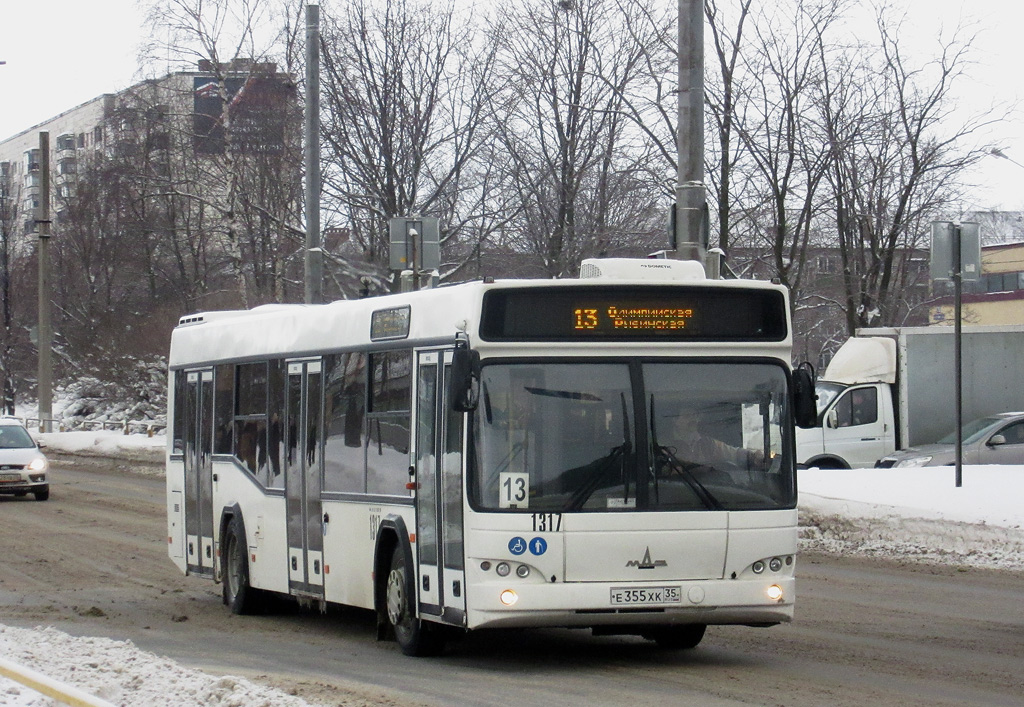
x,y
641,269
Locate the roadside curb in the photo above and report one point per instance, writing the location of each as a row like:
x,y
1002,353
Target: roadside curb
x,y
66,694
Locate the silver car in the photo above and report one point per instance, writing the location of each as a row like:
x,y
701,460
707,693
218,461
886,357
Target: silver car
x,y
996,439
22,466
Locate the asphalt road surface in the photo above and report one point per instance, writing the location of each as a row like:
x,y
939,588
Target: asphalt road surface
x,y
92,561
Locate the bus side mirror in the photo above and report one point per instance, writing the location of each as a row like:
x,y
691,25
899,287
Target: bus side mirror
x,y
465,378
805,398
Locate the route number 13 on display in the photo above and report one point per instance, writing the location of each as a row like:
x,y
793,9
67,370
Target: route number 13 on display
x,y
514,490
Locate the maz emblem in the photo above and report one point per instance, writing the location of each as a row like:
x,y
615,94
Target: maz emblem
x,y
646,563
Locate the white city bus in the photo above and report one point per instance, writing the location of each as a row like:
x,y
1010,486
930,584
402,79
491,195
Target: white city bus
x,y
497,454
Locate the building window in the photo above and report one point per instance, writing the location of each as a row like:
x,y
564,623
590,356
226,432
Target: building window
x,y
67,166
66,142
159,141
827,264
1002,282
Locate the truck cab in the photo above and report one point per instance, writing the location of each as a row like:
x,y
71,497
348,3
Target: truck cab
x,y
856,417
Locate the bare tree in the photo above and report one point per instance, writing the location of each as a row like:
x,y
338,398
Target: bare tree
x,y
785,152
581,169
244,165
407,93
10,220
897,155
727,35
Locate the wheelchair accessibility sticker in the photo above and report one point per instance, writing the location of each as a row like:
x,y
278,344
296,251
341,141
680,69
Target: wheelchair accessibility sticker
x,y
518,546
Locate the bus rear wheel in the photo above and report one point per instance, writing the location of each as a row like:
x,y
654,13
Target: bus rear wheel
x,y
677,637
414,637
238,595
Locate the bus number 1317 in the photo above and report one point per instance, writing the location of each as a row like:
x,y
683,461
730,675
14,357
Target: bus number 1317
x,y
547,522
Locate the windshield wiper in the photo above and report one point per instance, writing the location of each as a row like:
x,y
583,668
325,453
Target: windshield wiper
x,y
583,494
620,452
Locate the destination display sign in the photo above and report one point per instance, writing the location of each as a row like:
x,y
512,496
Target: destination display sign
x,y
636,312
388,324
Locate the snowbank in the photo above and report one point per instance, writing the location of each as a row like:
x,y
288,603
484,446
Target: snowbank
x,y
120,673
107,443
917,514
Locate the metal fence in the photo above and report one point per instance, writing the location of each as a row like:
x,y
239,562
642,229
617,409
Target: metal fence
x,y
56,424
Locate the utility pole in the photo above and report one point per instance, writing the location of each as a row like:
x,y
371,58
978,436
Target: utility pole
x,y
956,256
688,239
45,330
314,263
6,213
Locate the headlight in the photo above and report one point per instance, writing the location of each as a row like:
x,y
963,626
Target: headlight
x,y
37,464
913,461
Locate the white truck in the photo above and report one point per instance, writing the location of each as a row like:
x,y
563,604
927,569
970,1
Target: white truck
x,y
891,388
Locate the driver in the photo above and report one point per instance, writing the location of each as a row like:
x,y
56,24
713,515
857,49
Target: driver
x,y
695,449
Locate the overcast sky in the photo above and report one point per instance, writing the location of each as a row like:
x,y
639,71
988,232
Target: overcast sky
x,y
61,53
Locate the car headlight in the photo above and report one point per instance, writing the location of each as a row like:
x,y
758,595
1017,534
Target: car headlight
x,y
913,461
38,464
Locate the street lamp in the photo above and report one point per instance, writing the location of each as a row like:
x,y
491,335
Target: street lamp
x,y
996,152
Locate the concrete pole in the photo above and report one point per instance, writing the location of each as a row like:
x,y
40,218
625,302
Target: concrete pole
x,y
688,239
45,329
314,253
958,354
6,225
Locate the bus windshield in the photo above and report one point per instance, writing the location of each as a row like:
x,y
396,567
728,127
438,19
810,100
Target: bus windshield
x,y
613,436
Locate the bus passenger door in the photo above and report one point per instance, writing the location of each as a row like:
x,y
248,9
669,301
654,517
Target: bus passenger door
x,y
303,476
438,450
199,472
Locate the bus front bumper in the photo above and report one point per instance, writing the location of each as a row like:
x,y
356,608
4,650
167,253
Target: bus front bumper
x,y
762,602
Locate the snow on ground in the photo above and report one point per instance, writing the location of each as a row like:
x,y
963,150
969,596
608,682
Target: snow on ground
x,y
122,674
108,443
896,513
917,514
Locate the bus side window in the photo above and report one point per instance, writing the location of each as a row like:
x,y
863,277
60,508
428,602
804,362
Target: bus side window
x,y
223,409
344,411
272,471
387,454
251,416
179,412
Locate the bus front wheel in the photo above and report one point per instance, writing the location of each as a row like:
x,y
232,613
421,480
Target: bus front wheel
x,y
677,637
414,637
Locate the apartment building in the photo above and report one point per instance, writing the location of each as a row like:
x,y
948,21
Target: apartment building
x,y
178,117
